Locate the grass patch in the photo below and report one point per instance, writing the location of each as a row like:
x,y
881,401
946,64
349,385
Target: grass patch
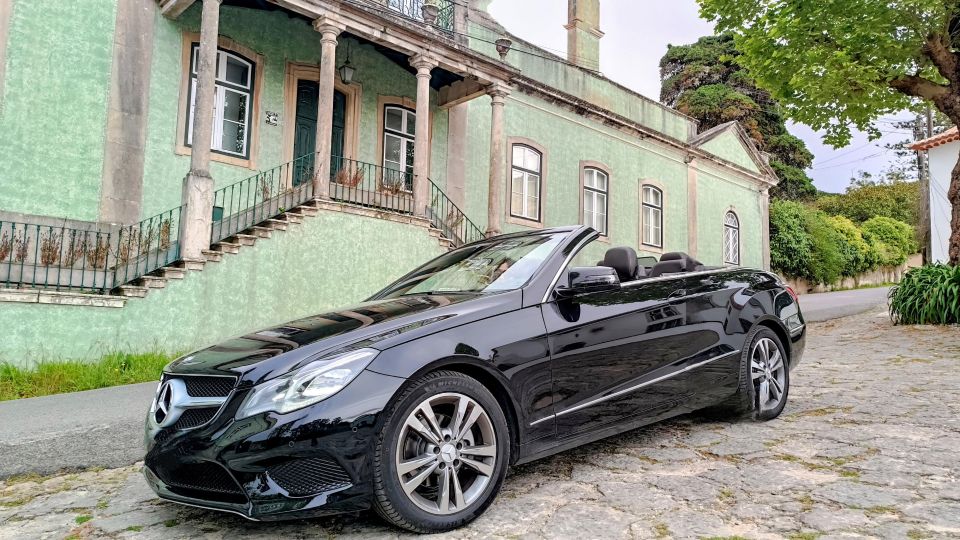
x,y
661,530
134,528
48,378
170,523
804,536
83,519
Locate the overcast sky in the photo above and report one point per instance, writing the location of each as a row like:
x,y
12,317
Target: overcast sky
x,y
637,35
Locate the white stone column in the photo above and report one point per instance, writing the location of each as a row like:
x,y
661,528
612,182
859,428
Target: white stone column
x,y
765,226
421,144
498,95
197,193
328,70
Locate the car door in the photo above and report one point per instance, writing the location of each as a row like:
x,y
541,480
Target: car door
x,y
613,354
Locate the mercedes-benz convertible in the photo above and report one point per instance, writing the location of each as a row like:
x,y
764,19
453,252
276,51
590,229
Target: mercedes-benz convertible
x,y
416,401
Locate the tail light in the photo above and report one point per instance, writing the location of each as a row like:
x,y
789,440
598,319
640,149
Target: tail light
x,y
792,293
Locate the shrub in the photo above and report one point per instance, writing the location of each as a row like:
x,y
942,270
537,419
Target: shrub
x,y
898,200
859,256
897,236
790,250
827,262
927,295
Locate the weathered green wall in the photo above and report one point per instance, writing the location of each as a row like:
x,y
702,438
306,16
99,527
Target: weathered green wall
x,y
279,39
329,261
718,194
53,118
728,146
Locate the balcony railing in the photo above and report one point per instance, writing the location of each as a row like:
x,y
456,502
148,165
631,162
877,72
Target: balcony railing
x,y
86,260
366,184
450,220
250,201
413,9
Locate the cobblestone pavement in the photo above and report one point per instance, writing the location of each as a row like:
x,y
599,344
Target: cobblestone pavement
x,y
867,447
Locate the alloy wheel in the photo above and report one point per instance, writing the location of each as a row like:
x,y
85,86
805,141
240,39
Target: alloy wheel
x,y
768,374
446,454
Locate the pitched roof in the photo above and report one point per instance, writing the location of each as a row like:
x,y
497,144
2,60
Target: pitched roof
x,y
761,159
940,139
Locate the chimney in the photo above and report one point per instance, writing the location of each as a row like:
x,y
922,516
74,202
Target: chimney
x,y
583,33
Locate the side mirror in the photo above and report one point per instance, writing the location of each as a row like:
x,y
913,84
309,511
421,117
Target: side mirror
x,y
589,279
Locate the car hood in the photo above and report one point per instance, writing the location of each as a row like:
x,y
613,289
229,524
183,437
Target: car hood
x,y
379,324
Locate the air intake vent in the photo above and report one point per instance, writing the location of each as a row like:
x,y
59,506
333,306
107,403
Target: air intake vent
x,y
204,480
311,476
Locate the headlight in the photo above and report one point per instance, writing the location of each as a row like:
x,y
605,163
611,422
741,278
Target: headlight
x,y
310,384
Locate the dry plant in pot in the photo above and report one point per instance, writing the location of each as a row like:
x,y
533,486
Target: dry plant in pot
x,y
6,246
50,245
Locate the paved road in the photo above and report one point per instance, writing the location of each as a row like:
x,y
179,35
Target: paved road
x,y
97,428
867,448
821,307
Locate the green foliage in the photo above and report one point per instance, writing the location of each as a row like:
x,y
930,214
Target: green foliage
x,y
927,295
899,200
790,249
897,236
58,377
858,255
827,261
836,65
703,80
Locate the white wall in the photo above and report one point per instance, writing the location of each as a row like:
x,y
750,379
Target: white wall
x,y
942,160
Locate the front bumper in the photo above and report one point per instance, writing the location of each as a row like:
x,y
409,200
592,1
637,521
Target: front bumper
x,y
308,463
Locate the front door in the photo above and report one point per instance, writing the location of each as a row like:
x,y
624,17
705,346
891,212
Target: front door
x,y
305,129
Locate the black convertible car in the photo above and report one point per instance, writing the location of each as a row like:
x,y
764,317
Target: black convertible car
x,y
503,351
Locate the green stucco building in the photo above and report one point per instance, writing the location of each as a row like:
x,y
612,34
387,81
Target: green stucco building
x,y
350,141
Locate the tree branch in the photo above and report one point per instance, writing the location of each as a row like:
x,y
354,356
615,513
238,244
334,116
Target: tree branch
x,y
916,86
937,49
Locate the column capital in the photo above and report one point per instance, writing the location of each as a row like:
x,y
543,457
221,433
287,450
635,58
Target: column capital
x,y
423,62
498,92
328,27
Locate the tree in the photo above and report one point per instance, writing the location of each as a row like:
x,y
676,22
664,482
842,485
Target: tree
x,y
907,162
838,65
862,201
704,81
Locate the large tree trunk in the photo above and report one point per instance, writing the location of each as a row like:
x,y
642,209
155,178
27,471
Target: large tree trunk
x,y
953,195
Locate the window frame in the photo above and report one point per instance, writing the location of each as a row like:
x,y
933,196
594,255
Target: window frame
x,y
222,85
405,137
224,44
519,219
599,167
727,227
643,220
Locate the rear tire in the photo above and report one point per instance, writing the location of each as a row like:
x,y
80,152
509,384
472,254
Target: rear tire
x,y
764,382
442,454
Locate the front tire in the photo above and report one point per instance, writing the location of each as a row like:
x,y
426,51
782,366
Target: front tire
x,y
441,455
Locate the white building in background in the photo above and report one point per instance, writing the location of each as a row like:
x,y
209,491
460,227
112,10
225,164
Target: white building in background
x,y
943,150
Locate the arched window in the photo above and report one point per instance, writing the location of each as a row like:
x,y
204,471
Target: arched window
x,y
399,132
731,239
652,216
232,103
596,186
525,182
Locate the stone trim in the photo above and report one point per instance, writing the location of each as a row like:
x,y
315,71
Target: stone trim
x,y
354,93
588,164
188,39
6,14
28,296
544,169
692,208
765,226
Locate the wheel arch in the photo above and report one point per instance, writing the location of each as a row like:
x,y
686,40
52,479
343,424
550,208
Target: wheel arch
x,y
774,324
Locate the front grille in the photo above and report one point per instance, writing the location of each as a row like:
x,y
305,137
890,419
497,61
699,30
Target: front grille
x,y
206,386
310,476
192,418
205,480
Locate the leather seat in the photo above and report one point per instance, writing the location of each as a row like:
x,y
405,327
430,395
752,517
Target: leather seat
x,y
674,263
624,261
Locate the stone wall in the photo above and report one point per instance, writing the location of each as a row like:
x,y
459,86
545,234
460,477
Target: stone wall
x,y
881,276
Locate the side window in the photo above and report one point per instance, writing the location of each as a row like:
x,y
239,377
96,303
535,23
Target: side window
x,y
525,182
232,102
731,239
652,216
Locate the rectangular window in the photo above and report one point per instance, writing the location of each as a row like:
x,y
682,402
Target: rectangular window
x,y
399,134
595,189
231,103
652,216
525,183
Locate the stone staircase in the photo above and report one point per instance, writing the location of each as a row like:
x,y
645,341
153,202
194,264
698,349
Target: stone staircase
x,y
220,251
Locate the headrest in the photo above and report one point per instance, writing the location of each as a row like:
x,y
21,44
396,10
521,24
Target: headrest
x,y
667,267
688,263
623,260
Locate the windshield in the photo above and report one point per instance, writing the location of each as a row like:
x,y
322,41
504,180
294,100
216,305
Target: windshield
x,y
498,265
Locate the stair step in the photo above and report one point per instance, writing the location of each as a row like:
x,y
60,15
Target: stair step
x,y
212,256
191,264
171,272
261,232
292,218
308,211
243,239
226,247
151,282
278,224
132,291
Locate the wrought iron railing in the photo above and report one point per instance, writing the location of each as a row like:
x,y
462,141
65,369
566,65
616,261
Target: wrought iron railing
x,y
414,9
250,201
367,184
450,220
93,260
